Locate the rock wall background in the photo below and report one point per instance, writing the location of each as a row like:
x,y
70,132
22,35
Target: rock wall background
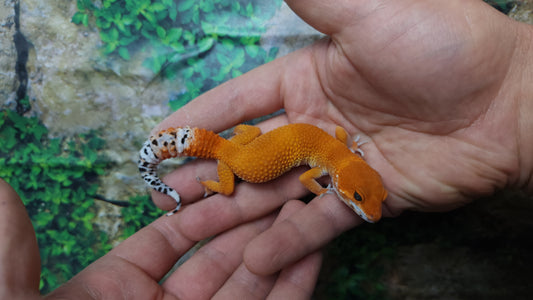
x,y
73,88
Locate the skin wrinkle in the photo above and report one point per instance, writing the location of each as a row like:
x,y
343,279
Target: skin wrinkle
x,y
309,112
331,215
169,234
97,291
250,284
217,257
335,98
405,30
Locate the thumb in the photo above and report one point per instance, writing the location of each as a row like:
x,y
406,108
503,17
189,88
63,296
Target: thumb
x,y
20,264
330,17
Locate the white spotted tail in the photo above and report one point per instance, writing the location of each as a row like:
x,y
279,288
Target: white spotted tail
x,y
169,143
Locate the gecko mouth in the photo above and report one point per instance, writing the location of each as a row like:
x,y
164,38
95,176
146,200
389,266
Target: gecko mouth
x,y
357,209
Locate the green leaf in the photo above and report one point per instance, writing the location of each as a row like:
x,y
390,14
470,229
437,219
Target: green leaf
x,y
109,36
138,24
39,131
252,50
124,53
161,32
207,6
128,19
235,73
172,13
158,7
185,5
127,40
174,34
249,10
239,59
78,18
235,6
109,48
205,44
85,20
207,28
150,17
189,36
8,137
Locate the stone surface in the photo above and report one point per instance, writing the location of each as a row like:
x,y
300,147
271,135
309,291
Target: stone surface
x,y
288,32
8,53
76,89
523,11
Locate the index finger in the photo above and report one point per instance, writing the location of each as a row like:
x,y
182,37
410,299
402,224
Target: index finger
x,y
304,232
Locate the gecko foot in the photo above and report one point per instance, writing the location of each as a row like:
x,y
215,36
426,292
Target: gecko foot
x,y
357,143
207,192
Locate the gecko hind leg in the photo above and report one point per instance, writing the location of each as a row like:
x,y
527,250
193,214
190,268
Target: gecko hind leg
x,y
244,134
226,181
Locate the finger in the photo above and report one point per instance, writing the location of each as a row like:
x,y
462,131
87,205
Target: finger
x,y
297,281
329,17
20,264
203,274
249,201
244,284
185,180
324,218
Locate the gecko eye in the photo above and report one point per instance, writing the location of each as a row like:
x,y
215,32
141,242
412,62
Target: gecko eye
x,y
357,197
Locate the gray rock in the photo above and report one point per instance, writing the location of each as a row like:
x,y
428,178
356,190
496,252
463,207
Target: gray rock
x,y
8,54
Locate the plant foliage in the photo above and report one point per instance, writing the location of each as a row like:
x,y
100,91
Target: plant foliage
x,y
205,42
56,179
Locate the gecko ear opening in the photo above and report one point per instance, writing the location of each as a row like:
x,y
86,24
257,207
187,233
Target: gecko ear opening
x,y
357,197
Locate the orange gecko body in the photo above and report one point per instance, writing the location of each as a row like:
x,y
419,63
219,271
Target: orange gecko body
x,y
256,158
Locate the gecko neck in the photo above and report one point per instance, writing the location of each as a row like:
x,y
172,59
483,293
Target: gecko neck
x,y
186,141
204,144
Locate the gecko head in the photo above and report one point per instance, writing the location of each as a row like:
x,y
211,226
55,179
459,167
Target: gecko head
x,y
361,188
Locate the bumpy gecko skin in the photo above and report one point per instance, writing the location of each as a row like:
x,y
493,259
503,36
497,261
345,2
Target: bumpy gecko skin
x,y
259,158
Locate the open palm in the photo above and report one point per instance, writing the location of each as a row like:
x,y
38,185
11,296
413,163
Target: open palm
x,y
430,83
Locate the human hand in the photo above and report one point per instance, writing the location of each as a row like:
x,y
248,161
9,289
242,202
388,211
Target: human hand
x,y
437,86
133,269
